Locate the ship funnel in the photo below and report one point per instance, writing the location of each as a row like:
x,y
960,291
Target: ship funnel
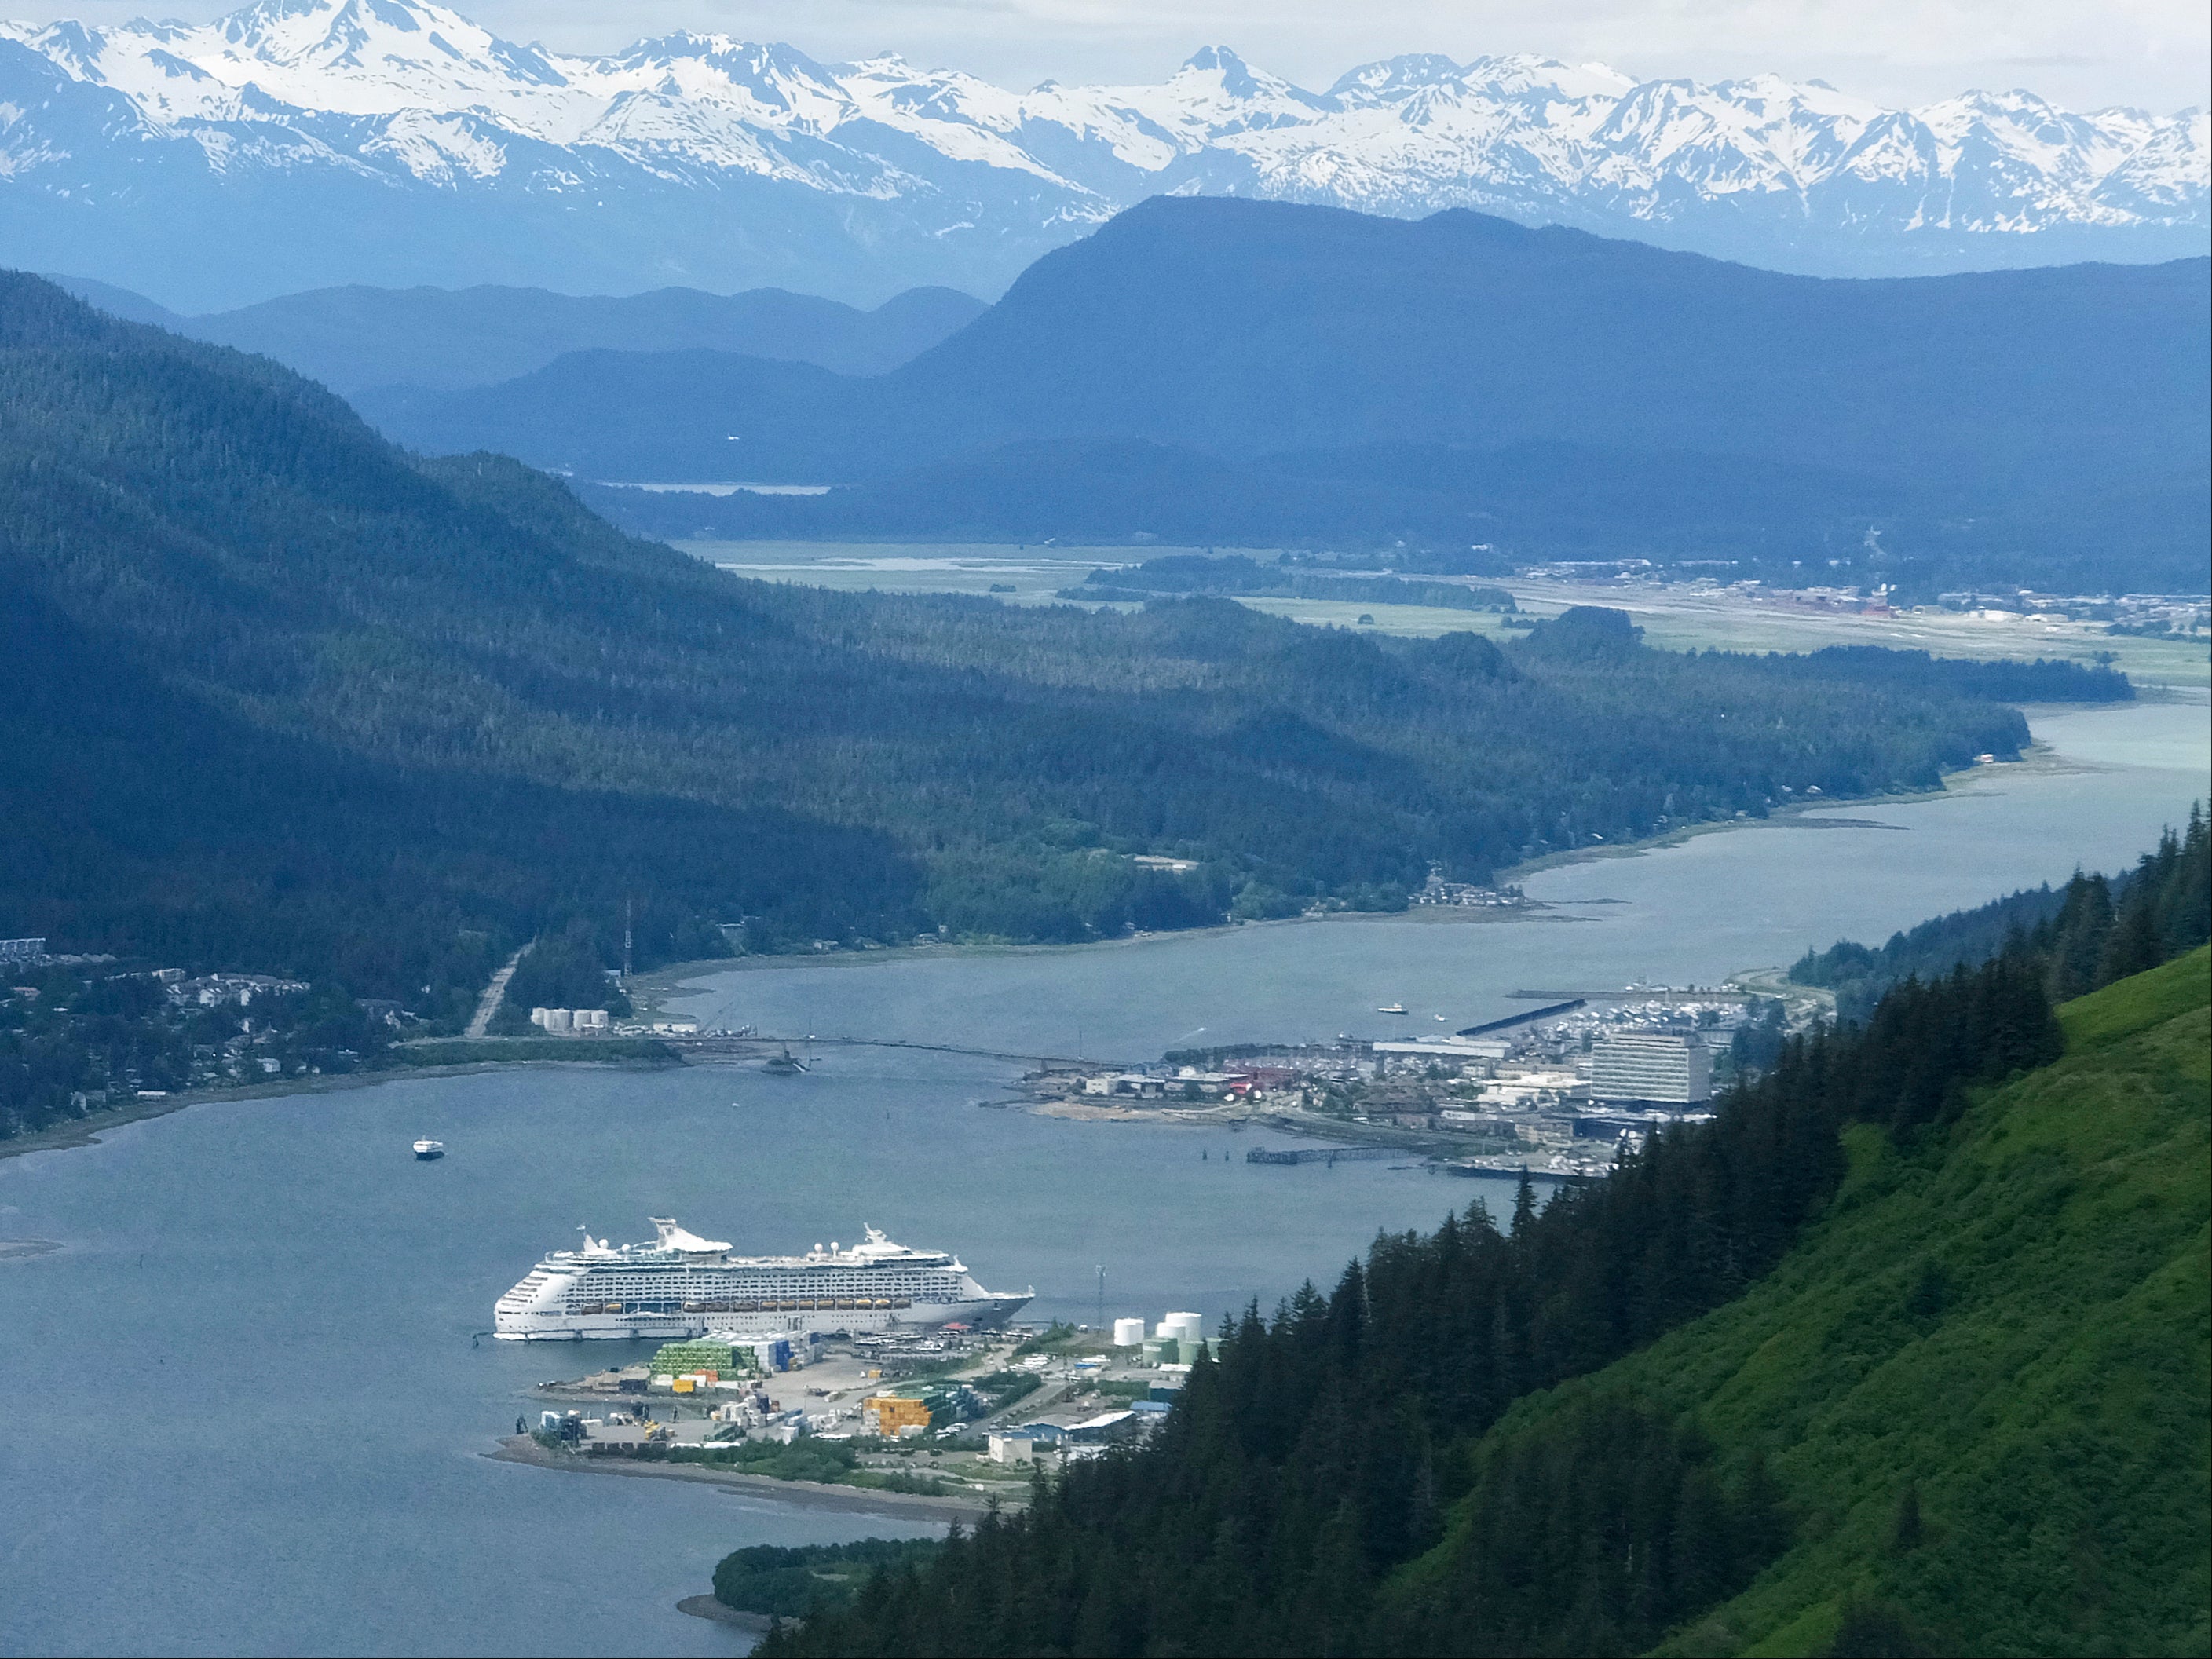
x,y
673,1237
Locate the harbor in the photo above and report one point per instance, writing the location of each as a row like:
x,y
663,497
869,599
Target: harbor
x,y
1564,1090
267,1234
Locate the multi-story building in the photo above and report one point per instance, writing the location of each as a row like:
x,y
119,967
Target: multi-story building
x,y
1650,1068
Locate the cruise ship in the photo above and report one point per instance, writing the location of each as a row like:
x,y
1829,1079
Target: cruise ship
x,y
682,1285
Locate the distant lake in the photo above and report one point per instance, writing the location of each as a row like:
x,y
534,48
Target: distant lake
x,y
247,1414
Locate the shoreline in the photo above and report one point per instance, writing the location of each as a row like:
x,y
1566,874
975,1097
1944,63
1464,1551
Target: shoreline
x,y
653,989
707,1608
683,978
801,1494
2038,760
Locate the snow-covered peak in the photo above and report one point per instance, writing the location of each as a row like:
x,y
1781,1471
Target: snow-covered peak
x,y
1396,75
1219,89
414,88
1520,74
346,56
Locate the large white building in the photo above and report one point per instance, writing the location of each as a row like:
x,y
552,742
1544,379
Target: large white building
x,y
1651,1067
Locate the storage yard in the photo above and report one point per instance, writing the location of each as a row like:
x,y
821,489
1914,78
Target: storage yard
x,y
952,1416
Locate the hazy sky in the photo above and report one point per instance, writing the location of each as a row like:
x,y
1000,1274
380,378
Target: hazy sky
x,y
2152,54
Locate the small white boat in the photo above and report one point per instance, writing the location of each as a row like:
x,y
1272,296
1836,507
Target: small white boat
x,y
426,1149
1392,1008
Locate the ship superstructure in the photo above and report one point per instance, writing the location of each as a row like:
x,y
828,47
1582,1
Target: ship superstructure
x,y
682,1285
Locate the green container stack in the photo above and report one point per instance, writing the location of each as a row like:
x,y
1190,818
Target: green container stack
x,y
943,1400
675,1358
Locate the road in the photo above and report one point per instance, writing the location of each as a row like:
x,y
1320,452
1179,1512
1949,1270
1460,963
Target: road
x,y
481,1021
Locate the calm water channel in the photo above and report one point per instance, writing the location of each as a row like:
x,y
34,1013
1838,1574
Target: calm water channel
x,y
246,1404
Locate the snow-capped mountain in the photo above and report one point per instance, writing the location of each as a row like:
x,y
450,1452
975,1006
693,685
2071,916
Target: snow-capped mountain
x,y
305,141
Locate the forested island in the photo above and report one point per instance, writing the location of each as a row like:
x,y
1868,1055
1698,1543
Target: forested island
x,y
281,698
1903,1354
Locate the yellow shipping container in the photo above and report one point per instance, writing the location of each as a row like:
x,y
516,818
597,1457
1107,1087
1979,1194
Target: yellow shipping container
x,y
684,1385
894,1413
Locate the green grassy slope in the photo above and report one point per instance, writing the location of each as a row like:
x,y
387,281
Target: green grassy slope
x,y
2012,1330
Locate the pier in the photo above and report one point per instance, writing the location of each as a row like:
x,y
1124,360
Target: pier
x,y
1322,1154
1511,1020
1631,994
750,1045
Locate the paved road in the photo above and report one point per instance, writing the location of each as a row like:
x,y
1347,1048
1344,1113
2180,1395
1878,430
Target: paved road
x,y
489,1005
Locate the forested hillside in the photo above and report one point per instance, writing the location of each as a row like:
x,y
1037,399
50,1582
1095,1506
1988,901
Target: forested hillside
x,y
1906,1352
282,697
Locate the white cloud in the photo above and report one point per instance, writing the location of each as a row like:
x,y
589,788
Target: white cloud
x,y
2156,54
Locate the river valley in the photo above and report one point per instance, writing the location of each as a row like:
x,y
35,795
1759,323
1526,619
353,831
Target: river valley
x,y
249,1392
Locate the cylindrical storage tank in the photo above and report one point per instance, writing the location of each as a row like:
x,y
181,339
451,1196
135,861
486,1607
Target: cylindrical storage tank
x,y
1128,1332
1159,1350
1189,1349
1184,1325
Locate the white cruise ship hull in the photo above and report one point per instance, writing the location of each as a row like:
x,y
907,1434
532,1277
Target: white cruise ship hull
x,y
688,1287
530,1326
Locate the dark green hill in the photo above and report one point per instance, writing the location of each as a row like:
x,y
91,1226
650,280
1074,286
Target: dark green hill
x,y
283,694
1981,1381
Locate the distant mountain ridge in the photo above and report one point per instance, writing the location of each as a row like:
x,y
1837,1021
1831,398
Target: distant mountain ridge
x,y
355,338
1611,386
300,143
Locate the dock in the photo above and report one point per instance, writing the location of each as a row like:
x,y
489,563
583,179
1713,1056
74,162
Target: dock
x,y
1322,1154
1633,993
1511,1020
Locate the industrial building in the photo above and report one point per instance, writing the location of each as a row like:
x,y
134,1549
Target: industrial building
x,y
1650,1068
